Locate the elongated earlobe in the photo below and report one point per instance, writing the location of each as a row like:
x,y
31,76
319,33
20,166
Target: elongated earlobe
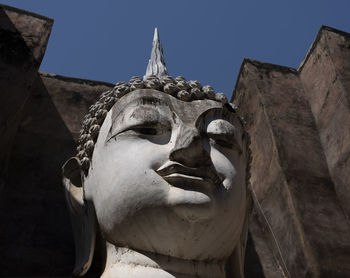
x,y
235,265
82,216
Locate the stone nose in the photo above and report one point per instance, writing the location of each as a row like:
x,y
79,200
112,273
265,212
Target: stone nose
x,y
189,148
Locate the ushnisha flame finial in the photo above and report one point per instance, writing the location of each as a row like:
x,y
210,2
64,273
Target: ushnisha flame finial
x,y
156,65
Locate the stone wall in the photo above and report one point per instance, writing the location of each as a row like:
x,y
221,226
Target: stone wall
x,y
24,37
36,232
41,115
326,77
299,125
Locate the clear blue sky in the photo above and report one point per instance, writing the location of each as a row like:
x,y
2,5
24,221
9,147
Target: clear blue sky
x,y
110,40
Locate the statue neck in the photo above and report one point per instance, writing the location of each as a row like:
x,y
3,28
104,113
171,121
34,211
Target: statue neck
x,y
124,262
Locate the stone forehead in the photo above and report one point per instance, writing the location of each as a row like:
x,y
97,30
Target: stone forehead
x,y
188,112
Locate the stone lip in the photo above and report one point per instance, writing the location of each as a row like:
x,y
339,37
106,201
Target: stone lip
x,y
174,172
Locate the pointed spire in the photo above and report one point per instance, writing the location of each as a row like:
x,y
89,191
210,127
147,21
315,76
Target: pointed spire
x,y
156,65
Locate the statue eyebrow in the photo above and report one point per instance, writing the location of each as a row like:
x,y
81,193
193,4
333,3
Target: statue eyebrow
x,y
223,114
137,107
218,113
229,136
145,100
151,101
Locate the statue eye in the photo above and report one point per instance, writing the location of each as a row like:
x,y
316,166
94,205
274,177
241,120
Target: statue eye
x,y
222,143
225,141
222,133
146,130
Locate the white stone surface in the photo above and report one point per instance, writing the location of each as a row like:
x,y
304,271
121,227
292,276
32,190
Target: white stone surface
x,y
167,184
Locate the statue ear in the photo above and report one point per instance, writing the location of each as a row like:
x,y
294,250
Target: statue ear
x,y
82,216
235,264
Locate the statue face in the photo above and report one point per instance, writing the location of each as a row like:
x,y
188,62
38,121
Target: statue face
x,y
168,176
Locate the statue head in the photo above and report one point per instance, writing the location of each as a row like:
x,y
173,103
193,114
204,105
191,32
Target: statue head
x,y
161,168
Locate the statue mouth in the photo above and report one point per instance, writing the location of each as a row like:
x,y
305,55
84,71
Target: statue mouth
x,y
185,177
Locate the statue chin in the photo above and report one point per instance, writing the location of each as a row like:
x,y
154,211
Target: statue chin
x,y
197,211
154,265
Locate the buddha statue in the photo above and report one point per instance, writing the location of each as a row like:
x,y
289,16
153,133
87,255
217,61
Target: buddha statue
x,y
161,179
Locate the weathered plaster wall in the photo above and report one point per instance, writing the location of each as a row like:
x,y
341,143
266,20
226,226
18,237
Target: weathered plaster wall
x,y
23,40
299,124
36,232
326,77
